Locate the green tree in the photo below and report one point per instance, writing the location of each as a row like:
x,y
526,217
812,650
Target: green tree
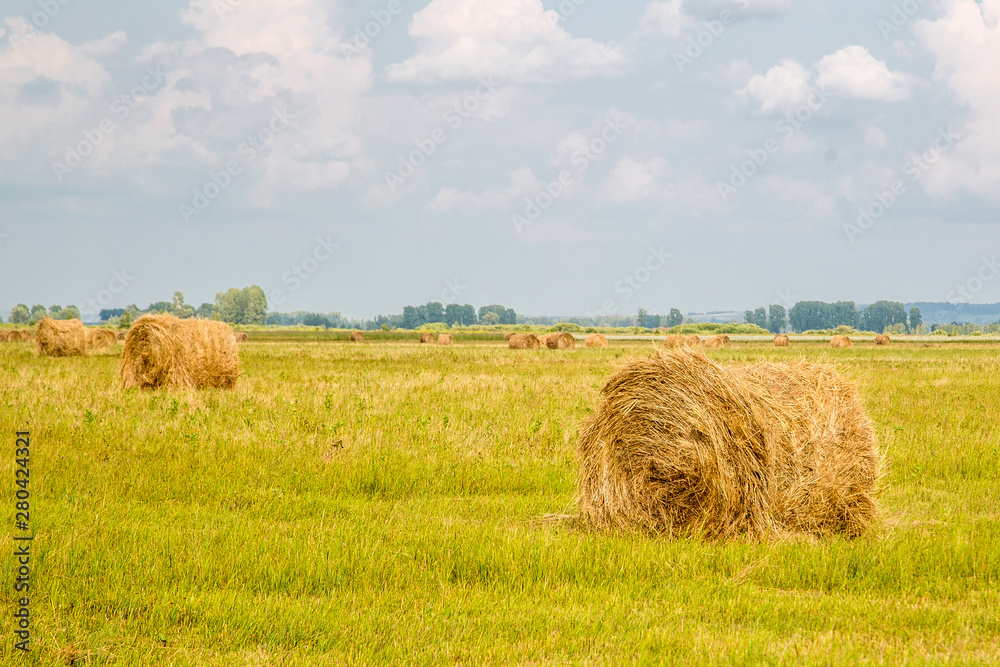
x,y
915,319
777,318
758,317
54,312
20,314
159,307
242,306
411,317
882,314
206,311
435,312
505,315
125,321
806,315
37,313
68,313
845,313
180,309
674,318
490,317
641,319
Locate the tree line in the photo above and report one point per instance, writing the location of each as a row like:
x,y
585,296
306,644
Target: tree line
x,y
813,315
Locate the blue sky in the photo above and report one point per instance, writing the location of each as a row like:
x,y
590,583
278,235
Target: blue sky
x,y
565,157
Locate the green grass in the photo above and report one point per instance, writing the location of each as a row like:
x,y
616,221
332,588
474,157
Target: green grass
x,y
386,503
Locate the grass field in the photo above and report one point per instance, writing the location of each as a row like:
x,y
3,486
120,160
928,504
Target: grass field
x,y
386,503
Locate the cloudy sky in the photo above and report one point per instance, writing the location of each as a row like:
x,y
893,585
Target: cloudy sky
x,y
558,158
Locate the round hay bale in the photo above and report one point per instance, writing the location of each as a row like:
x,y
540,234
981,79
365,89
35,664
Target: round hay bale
x,y
427,337
560,341
881,339
596,340
543,340
101,338
716,341
781,340
681,445
240,336
507,335
18,336
164,351
444,339
840,341
122,334
357,337
692,340
3,335
673,340
524,342
61,338
725,339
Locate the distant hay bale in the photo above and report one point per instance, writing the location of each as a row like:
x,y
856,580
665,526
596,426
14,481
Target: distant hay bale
x,y
122,334
781,340
240,336
560,341
881,339
596,340
681,445
673,340
717,341
61,338
101,338
692,340
840,341
18,336
543,340
444,339
507,335
3,335
524,342
427,337
357,337
164,351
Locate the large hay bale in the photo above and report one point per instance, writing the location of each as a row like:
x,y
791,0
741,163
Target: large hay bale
x,y
61,338
164,351
692,340
881,339
3,334
426,337
357,337
673,340
15,335
543,340
560,341
781,340
524,342
596,340
507,335
681,445
98,338
840,341
240,336
716,341
444,339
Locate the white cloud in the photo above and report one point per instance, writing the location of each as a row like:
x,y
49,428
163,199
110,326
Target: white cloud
x,y
516,41
784,87
665,18
631,180
965,43
854,72
522,183
741,8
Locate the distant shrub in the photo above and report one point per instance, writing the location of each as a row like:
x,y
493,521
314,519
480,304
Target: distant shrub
x,y
567,326
717,328
433,326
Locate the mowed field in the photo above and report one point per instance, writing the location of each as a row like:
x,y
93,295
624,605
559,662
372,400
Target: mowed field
x,y
396,503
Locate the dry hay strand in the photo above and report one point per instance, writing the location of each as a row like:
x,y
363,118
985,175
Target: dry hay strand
x,y
426,338
681,445
881,339
164,351
445,339
357,337
240,336
840,341
673,340
507,335
122,334
101,338
524,342
61,338
596,340
781,340
560,341
717,341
